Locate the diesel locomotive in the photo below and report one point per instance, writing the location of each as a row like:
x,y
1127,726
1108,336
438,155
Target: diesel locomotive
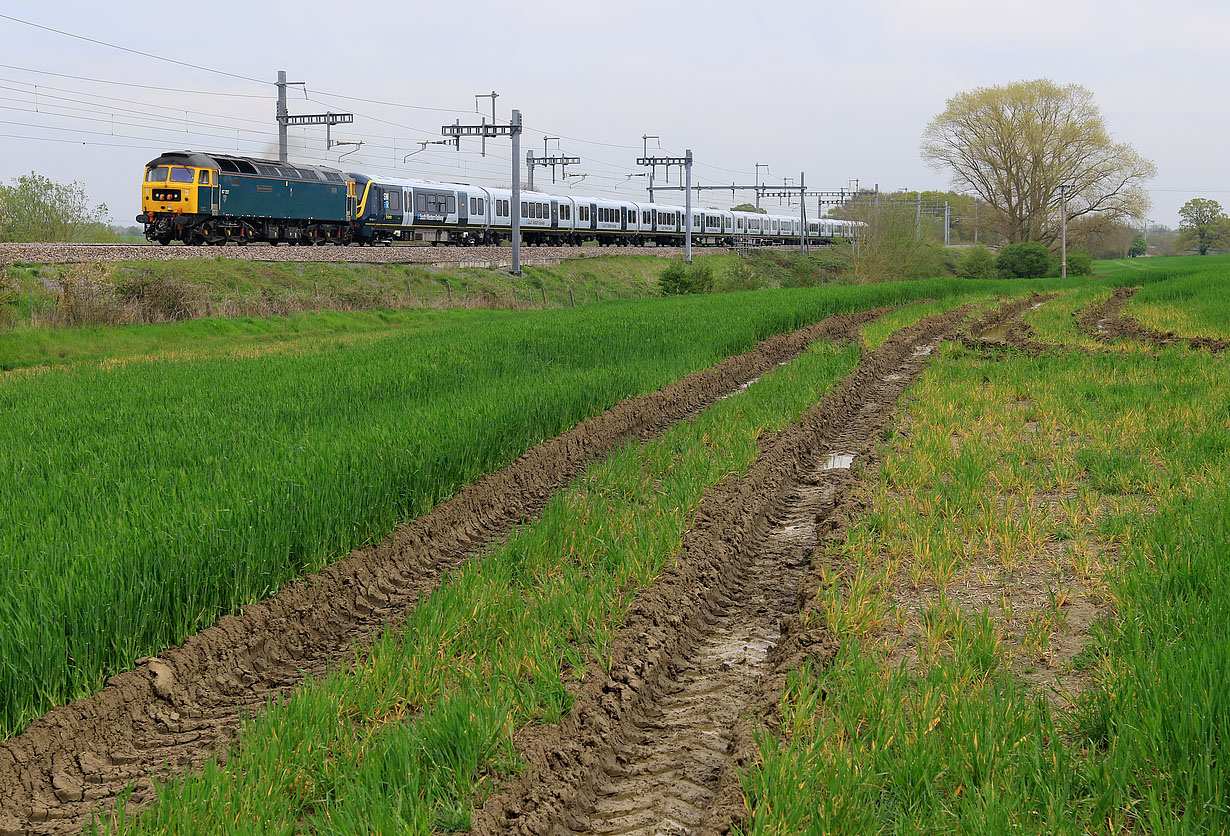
x,y
205,198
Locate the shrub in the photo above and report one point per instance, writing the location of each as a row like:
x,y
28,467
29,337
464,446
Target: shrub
x,y
162,299
740,276
1026,260
679,277
977,263
1080,263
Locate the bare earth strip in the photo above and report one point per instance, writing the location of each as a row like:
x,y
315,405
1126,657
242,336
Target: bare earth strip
x,y
184,707
1106,322
656,745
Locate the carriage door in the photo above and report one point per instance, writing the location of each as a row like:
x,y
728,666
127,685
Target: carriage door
x,y
463,209
555,214
593,216
623,219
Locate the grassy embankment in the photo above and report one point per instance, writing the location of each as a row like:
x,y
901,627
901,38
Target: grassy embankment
x,y
156,495
1030,611
155,291
426,721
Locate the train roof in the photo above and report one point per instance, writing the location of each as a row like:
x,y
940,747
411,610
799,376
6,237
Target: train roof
x,y
200,159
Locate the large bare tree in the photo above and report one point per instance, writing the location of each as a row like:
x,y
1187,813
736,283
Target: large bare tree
x,y
1016,146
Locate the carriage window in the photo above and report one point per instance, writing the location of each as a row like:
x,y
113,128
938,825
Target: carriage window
x,y
524,206
392,201
452,204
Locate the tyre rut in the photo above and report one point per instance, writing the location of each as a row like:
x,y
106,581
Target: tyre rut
x,y
655,745
177,711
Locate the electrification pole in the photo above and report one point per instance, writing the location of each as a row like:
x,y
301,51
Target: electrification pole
x,y
802,214
759,166
281,116
947,222
684,162
513,130
687,241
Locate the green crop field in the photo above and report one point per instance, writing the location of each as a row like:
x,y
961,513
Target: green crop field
x,y
1027,609
971,692
146,498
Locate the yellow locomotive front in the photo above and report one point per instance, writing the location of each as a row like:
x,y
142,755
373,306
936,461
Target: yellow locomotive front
x,y
178,190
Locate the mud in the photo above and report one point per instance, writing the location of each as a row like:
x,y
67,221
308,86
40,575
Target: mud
x,y
184,707
1002,327
656,742
1106,322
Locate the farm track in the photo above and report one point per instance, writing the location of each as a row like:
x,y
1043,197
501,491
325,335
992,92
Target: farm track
x,y
175,712
1106,322
444,256
656,746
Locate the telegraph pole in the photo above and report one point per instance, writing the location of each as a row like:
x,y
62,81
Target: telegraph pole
x,y
513,130
1063,220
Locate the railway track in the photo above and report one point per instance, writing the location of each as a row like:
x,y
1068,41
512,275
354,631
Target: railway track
x,y
407,254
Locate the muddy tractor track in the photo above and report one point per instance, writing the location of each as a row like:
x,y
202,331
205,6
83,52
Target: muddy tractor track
x,y
1004,328
656,744
1106,322
184,707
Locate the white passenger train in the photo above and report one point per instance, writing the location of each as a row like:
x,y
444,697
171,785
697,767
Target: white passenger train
x,y
390,209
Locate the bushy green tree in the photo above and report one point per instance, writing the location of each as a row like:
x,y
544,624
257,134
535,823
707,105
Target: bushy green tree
x,y
1139,247
35,208
1026,260
679,277
1080,263
1204,226
977,263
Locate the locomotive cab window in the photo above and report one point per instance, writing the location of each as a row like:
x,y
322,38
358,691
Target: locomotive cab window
x,y
182,175
157,175
203,177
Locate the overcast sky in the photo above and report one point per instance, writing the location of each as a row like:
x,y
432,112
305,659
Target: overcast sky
x,y
839,90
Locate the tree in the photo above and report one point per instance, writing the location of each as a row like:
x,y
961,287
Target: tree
x,y
1015,146
1139,247
748,207
34,208
1203,226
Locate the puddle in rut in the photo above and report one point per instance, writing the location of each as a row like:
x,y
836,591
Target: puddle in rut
x,y
997,333
838,461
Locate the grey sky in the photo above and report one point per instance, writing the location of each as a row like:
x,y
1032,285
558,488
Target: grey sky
x,y
840,90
